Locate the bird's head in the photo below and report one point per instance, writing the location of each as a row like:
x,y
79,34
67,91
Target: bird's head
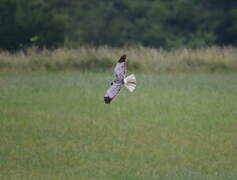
x,y
123,58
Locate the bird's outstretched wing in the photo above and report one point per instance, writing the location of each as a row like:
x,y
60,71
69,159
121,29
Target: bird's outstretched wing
x,y
113,91
117,84
119,71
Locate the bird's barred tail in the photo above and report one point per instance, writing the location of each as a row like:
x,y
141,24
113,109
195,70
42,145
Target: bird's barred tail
x,y
130,82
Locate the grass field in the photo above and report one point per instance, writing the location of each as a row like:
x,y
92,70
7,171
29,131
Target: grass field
x,y
56,126
140,59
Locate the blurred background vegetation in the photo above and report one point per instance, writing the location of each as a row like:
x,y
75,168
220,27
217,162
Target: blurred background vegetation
x,y
150,23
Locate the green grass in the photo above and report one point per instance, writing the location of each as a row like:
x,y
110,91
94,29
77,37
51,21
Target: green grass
x,y
56,126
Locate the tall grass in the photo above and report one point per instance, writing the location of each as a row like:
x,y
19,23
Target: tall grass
x,y
213,59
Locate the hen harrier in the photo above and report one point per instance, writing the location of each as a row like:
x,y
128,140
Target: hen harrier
x,y
120,81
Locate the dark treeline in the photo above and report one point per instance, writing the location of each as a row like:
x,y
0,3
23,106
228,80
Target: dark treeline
x,y
155,23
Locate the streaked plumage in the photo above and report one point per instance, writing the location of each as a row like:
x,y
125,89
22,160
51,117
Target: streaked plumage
x,y
118,83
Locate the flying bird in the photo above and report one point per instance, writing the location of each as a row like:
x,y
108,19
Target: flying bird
x,y
120,81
